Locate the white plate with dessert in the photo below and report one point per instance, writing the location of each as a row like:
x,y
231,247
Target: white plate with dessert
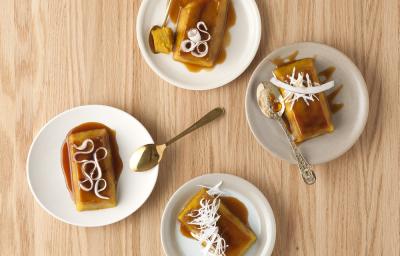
x,y
218,214
202,40
324,102
78,166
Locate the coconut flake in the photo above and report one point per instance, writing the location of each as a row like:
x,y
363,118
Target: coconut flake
x,y
301,87
196,44
214,191
93,175
206,218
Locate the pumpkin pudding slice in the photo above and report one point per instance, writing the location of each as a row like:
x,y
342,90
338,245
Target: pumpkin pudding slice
x,y
310,118
200,32
230,236
92,172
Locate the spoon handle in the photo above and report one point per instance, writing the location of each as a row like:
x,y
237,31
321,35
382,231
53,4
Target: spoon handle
x,y
211,116
167,13
305,168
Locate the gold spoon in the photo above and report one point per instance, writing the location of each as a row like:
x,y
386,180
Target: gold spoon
x,y
266,95
151,39
148,156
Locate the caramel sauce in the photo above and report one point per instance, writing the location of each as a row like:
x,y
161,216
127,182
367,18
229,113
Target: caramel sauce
x,y
231,18
335,107
276,106
66,166
279,61
185,231
326,74
177,5
195,68
234,205
65,161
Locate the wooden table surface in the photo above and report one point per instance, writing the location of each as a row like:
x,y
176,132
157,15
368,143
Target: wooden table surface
x,y
55,55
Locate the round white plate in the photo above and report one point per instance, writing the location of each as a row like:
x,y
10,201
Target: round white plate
x,y
349,121
261,217
245,39
46,179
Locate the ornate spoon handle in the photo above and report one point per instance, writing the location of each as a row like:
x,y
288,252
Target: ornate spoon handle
x,y
305,168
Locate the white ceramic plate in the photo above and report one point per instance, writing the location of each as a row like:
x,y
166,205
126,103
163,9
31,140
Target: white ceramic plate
x,y
46,179
245,39
261,217
349,121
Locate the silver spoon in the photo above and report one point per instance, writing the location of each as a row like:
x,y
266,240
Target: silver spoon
x,y
271,104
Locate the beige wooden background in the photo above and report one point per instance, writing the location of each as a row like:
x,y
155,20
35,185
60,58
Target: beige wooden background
x,y
58,54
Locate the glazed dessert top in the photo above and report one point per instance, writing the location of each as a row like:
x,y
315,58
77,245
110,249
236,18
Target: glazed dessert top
x,y
203,22
90,167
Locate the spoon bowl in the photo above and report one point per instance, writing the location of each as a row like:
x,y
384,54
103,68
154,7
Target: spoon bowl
x,y
146,157
270,100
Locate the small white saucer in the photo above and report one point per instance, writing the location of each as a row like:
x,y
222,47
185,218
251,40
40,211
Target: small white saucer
x,y
46,179
349,122
245,39
261,217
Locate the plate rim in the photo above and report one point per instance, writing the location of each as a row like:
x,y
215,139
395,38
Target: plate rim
x,y
28,159
364,95
147,58
266,250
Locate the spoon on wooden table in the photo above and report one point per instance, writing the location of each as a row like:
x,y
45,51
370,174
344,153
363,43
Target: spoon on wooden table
x,y
148,156
272,106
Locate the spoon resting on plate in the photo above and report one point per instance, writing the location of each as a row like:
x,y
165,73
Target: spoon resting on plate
x,y
164,32
272,106
148,156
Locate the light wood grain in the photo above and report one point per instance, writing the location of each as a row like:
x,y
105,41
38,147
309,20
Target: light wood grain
x,y
55,55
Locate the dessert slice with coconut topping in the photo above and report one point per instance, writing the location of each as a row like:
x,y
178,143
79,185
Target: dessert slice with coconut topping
x,y
200,32
306,108
92,171
216,228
